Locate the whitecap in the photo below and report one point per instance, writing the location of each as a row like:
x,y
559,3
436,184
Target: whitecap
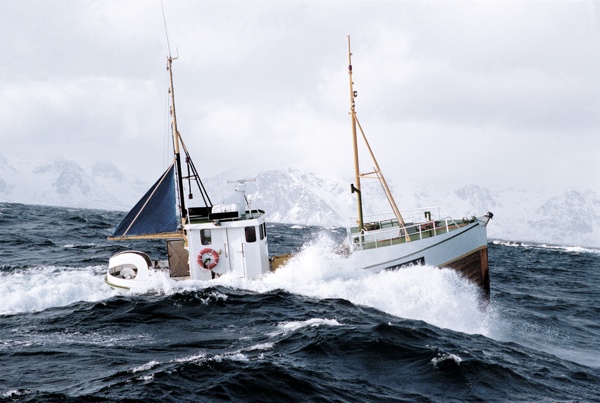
x,y
445,357
292,326
146,366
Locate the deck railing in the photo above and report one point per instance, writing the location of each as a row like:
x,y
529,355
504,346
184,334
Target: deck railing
x,y
382,230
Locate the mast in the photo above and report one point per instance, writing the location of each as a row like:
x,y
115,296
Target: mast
x,y
377,172
356,186
176,138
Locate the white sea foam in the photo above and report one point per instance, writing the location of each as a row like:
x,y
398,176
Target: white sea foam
x,y
39,288
27,337
191,358
260,347
202,357
13,394
290,327
439,297
532,245
237,356
574,249
445,357
145,367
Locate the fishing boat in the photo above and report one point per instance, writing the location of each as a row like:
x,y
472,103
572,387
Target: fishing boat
x,y
207,241
422,236
203,240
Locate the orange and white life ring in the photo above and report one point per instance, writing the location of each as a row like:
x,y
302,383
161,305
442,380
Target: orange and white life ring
x,y
208,259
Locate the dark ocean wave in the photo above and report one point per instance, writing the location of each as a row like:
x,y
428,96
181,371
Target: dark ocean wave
x,y
227,344
317,330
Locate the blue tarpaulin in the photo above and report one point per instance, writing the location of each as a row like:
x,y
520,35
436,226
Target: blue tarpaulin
x,y
155,213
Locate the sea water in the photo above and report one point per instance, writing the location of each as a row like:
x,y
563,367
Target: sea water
x,y
317,329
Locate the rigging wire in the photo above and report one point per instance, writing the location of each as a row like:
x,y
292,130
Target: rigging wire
x,y
166,135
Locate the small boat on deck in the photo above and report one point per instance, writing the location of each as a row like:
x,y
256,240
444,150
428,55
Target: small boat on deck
x,y
420,236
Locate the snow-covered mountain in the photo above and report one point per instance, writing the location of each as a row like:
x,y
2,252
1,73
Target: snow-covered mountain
x,y
559,217
567,217
62,182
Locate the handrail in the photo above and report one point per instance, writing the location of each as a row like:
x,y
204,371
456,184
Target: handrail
x,y
441,215
386,230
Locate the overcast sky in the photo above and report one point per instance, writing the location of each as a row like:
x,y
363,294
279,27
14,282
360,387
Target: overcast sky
x,y
500,94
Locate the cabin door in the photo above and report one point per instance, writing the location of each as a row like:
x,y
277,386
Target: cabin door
x,y
246,246
235,238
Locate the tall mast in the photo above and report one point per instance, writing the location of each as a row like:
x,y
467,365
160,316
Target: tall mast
x,y
176,138
355,187
377,171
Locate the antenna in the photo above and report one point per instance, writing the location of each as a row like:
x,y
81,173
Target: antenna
x,y
162,6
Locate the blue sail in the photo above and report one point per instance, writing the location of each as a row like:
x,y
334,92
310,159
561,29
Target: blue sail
x,y
155,215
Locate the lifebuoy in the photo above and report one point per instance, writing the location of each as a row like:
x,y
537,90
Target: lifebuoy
x,y
208,259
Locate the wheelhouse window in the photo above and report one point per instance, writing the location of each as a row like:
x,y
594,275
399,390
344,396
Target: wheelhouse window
x,y
205,237
250,234
263,231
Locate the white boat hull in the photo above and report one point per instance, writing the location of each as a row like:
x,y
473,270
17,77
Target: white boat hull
x,y
463,250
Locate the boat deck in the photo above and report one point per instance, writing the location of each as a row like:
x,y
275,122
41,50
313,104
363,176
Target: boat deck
x,y
384,231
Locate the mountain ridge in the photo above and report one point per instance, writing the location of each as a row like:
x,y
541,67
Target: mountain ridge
x,y
566,216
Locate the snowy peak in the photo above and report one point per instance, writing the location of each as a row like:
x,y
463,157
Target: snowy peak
x,y
60,182
298,197
66,177
292,196
481,199
575,213
108,171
